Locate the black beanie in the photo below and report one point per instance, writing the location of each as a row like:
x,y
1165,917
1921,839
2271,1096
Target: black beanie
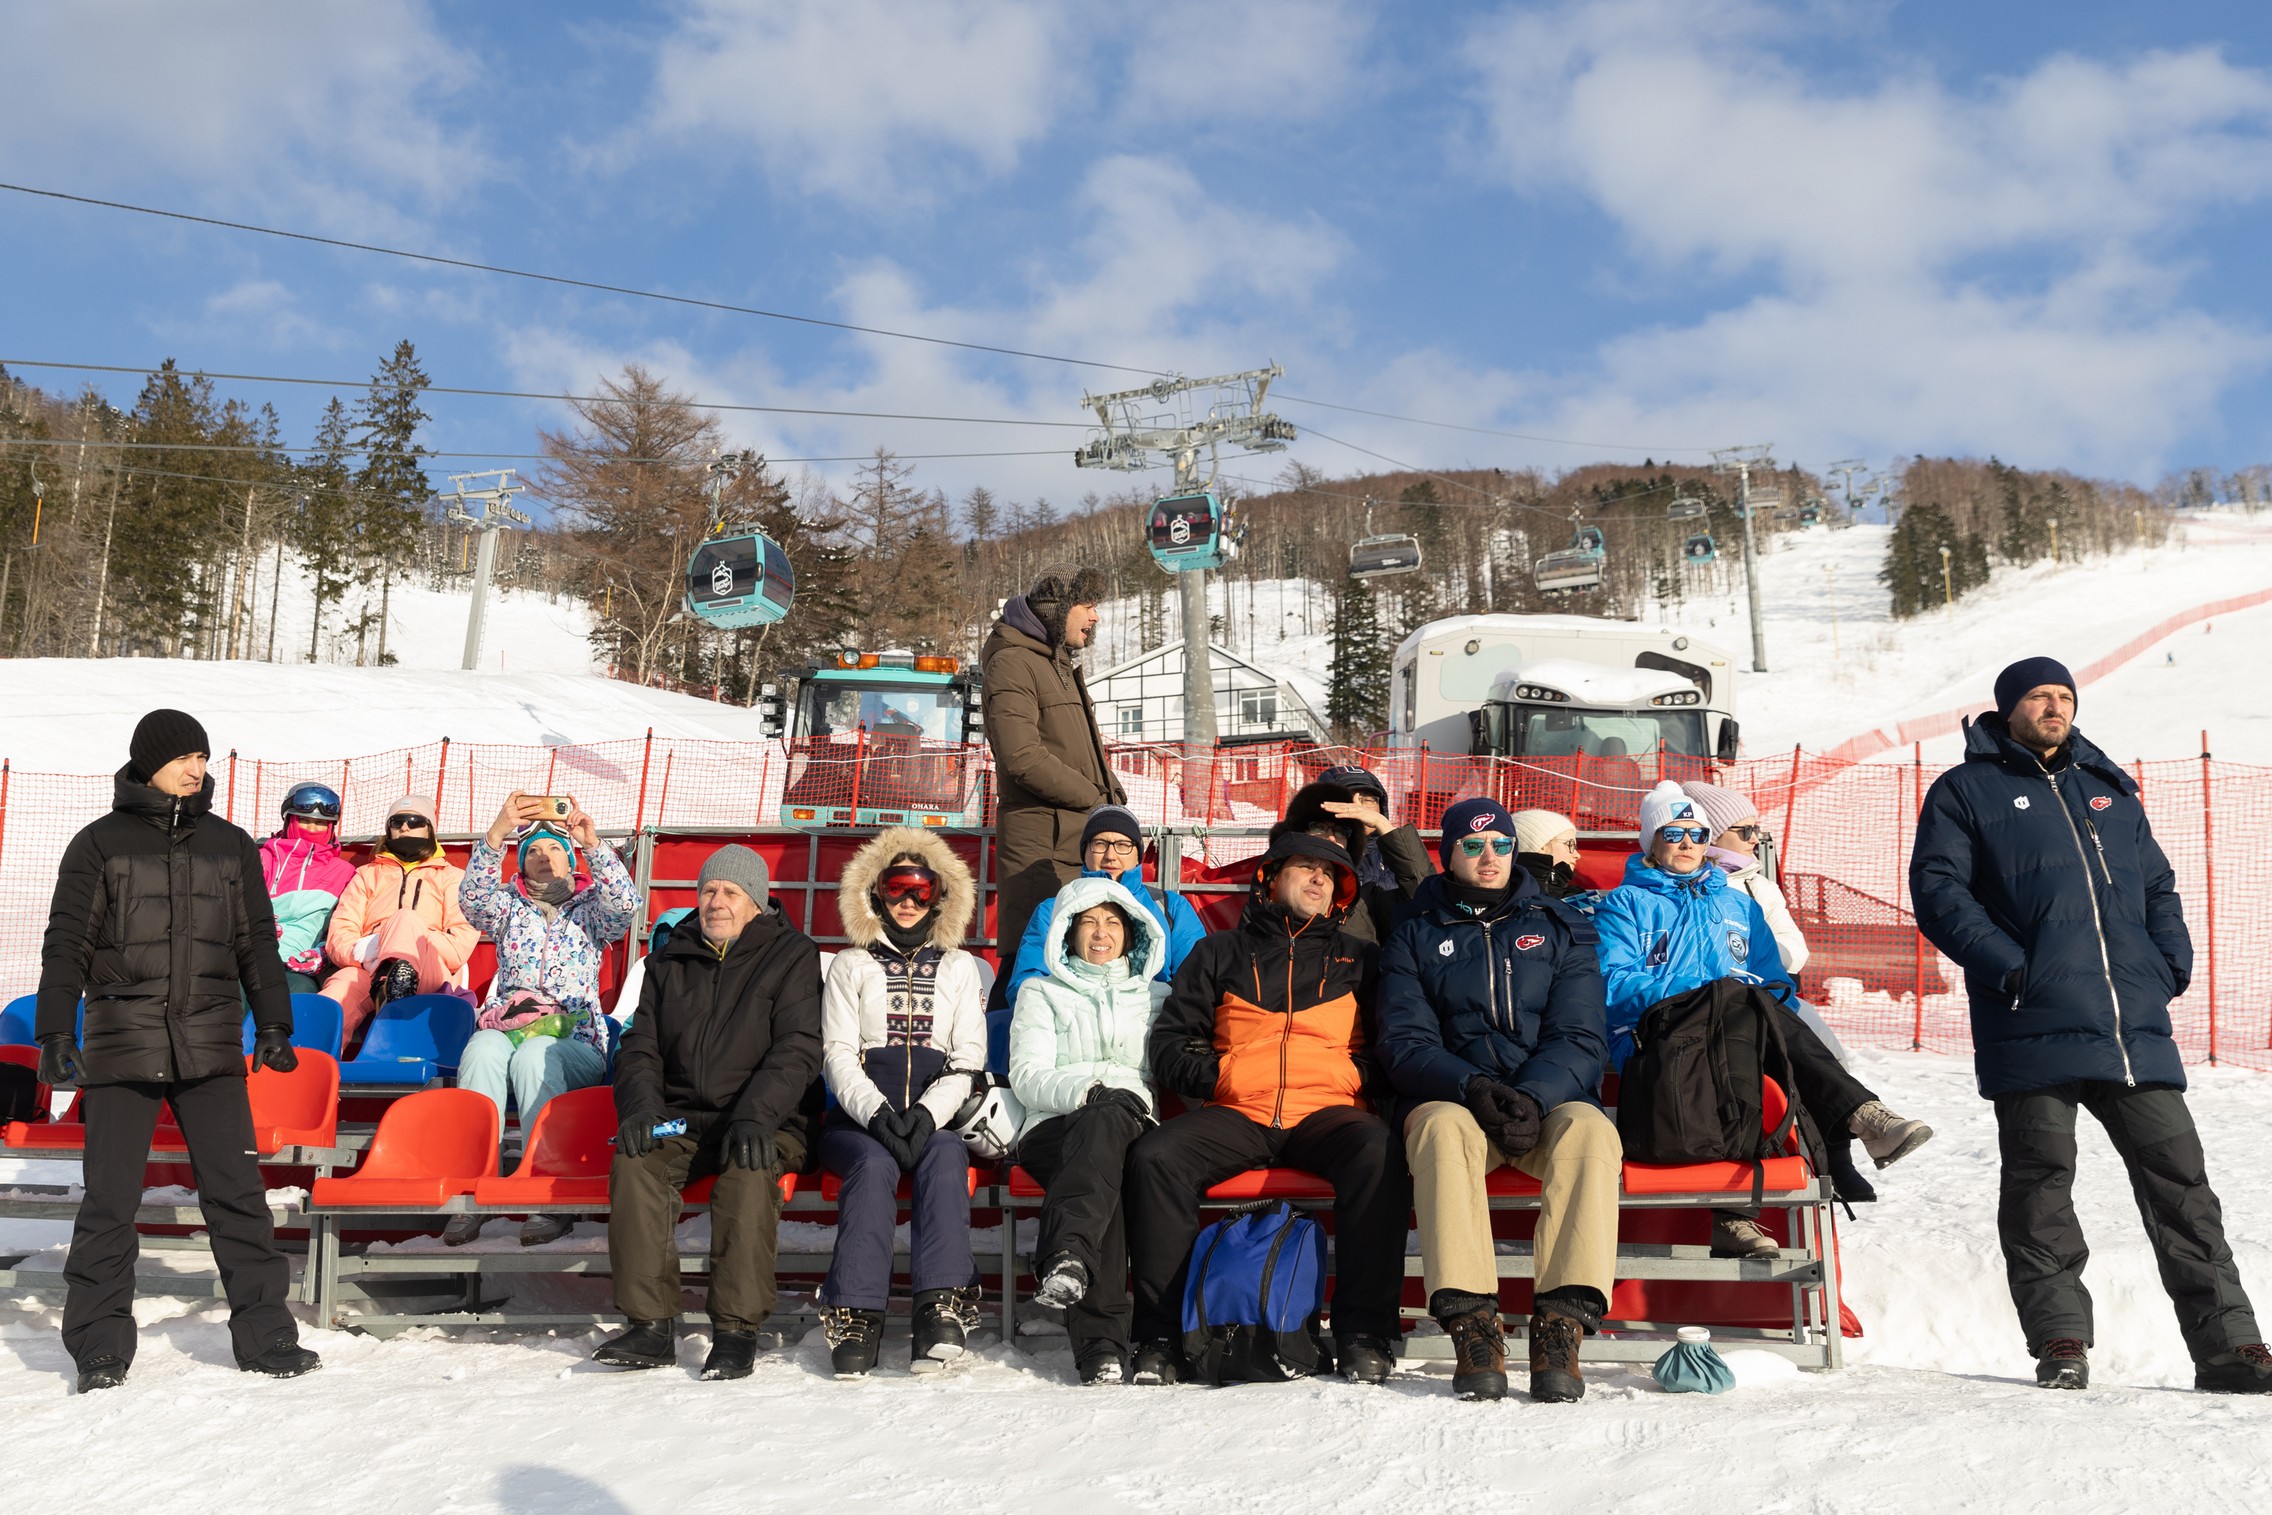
x,y
159,738
2013,684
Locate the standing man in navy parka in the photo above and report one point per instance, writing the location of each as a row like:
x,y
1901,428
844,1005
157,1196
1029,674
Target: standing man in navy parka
x,y
2036,871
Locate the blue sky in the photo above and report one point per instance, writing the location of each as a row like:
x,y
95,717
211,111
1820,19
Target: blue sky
x,y
1642,226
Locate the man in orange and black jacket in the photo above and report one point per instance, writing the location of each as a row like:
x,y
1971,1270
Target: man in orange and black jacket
x,y
1268,1032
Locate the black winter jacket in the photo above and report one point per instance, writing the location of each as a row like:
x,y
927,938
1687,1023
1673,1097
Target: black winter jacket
x,y
2050,872
1515,994
160,919
718,1040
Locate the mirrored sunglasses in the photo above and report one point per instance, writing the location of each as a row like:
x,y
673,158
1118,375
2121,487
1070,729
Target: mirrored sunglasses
x,y
1696,834
1501,846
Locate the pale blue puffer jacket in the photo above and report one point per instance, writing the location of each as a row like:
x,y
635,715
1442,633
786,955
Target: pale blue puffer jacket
x,y
1080,1025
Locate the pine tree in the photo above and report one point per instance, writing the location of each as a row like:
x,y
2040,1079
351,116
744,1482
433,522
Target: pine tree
x,y
1356,701
392,488
323,531
1913,565
905,539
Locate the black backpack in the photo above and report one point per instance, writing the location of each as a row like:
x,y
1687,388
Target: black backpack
x,y
1691,1091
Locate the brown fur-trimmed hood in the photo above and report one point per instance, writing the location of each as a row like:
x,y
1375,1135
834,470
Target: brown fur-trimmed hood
x,y
958,897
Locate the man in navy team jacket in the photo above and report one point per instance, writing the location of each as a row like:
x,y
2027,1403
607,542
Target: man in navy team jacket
x,y
2036,871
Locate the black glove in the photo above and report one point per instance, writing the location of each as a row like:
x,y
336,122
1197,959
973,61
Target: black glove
x,y
636,1136
750,1145
273,1049
59,1061
1508,1117
1124,1099
915,1128
884,1130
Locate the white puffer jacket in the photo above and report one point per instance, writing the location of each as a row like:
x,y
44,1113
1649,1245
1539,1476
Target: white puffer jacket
x,y
913,1022
1079,1024
1746,874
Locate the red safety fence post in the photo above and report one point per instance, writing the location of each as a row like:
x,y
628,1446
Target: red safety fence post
x,y
469,820
3,807
1916,935
647,755
663,800
441,781
229,809
1790,804
859,769
2209,871
551,757
346,765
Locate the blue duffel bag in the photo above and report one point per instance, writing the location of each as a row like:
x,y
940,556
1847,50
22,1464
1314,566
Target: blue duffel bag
x,y
1251,1305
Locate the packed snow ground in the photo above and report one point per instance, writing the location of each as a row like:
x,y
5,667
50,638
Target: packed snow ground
x,y
1938,1413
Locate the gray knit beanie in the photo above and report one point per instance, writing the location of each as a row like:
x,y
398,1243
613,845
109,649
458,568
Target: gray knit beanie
x,y
738,866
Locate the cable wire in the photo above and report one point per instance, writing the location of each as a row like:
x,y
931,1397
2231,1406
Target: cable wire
x,y
1483,431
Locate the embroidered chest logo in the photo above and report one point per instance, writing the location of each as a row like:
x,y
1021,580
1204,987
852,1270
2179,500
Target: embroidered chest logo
x,y
1526,943
2100,801
1445,948
1739,944
2019,802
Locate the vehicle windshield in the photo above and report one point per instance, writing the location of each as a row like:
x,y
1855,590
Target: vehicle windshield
x,y
836,712
1548,732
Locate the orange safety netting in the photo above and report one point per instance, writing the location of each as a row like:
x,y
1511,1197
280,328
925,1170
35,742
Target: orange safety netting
x,y
1843,830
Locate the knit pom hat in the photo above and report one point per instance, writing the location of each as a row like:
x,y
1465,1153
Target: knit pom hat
x,y
1665,805
1722,807
160,737
1535,830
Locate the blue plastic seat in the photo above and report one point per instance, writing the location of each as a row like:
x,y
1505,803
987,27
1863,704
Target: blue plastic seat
x,y
20,1019
316,1025
411,1041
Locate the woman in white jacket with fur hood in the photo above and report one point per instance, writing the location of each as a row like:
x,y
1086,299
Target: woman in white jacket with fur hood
x,y
903,1033
1077,1064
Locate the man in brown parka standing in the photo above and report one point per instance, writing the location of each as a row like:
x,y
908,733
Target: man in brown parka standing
x,y
1049,762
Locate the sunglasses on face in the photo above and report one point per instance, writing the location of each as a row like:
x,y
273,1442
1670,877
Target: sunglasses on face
x,y
1674,835
1500,846
408,822
1750,833
917,884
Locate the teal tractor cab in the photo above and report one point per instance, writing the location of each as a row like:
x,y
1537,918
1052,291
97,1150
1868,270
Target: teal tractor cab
x,y
881,739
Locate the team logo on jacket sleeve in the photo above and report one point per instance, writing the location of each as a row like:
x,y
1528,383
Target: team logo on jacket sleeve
x,y
2101,801
1526,943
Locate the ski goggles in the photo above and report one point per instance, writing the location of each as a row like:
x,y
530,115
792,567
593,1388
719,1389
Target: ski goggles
x,y
1674,835
908,883
1473,846
312,802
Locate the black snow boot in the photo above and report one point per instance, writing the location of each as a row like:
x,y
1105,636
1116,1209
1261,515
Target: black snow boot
x,y
641,1344
944,1319
283,1357
1157,1362
1102,1363
2065,1364
854,1339
1846,1180
1363,1359
2244,1370
105,1372
733,1354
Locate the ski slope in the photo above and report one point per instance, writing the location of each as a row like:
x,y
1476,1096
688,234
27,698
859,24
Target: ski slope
x,y
1939,1412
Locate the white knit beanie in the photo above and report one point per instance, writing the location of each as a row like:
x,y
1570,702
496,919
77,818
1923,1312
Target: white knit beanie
x,y
1665,804
1535,830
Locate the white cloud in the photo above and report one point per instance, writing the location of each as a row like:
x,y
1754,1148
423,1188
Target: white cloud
x,y
1975,269
866,100
330,110
1192,63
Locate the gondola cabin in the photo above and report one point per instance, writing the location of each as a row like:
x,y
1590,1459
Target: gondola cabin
x,y
1186,532
739,579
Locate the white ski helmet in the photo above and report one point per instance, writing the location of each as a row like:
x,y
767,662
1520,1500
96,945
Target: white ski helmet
x,y
990,1119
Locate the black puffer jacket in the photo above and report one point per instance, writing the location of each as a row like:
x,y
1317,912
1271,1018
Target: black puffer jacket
x,y
161,920
721,1040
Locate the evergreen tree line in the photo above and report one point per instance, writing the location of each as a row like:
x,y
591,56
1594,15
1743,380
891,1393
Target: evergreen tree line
x,y
1990,513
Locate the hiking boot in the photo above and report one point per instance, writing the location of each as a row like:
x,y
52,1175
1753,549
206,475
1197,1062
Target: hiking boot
x,y
1363,1359
462,1229
854,1339
2243,1370
105,1372
1157,1362
1479,1354
2064,1364
283,1357
1735,1235
944,1319
1846,1180
1554,1375
1103,1365
641,1344
1887,1137
539,1229
1063,1283
733,1354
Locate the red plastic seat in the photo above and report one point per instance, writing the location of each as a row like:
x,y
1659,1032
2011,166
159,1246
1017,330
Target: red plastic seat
x,y
295,1109
698,1192
1511,1183
1024,1185
1271,1183
27,1057
430,1146
566,1158
1781,1173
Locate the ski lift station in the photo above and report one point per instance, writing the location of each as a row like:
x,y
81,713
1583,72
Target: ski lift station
x,y
1142,700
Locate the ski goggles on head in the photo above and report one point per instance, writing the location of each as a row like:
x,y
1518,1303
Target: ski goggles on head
x,y
1500,846
312,802
908,882
1697,835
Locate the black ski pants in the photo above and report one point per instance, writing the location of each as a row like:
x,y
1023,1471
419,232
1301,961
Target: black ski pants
x,y
1173,1166
1830,1094
2044,1251
216,1124
1079,1160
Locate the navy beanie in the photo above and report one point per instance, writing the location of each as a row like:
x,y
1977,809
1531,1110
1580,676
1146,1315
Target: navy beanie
x,y
1468,817
2013,684
1115,820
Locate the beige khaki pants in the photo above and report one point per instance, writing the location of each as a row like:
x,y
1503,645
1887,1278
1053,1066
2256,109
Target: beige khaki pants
x,y
1578,1160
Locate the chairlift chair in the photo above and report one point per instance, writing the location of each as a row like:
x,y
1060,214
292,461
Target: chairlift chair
x,y
1686,508
1379,557
1698,548
1572,568
1186,533
739,579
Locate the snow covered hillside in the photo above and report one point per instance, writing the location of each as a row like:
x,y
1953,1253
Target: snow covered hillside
x,y
1939,1412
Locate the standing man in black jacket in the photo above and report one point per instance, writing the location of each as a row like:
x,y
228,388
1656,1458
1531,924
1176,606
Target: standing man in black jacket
x,y
2036,871
726,1039
161,920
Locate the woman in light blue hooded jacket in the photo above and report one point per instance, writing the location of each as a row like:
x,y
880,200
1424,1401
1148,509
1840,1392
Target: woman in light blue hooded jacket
x,y
1077,1064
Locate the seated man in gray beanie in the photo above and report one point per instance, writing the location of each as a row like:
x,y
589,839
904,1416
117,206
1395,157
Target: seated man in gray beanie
x,y
712,1078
